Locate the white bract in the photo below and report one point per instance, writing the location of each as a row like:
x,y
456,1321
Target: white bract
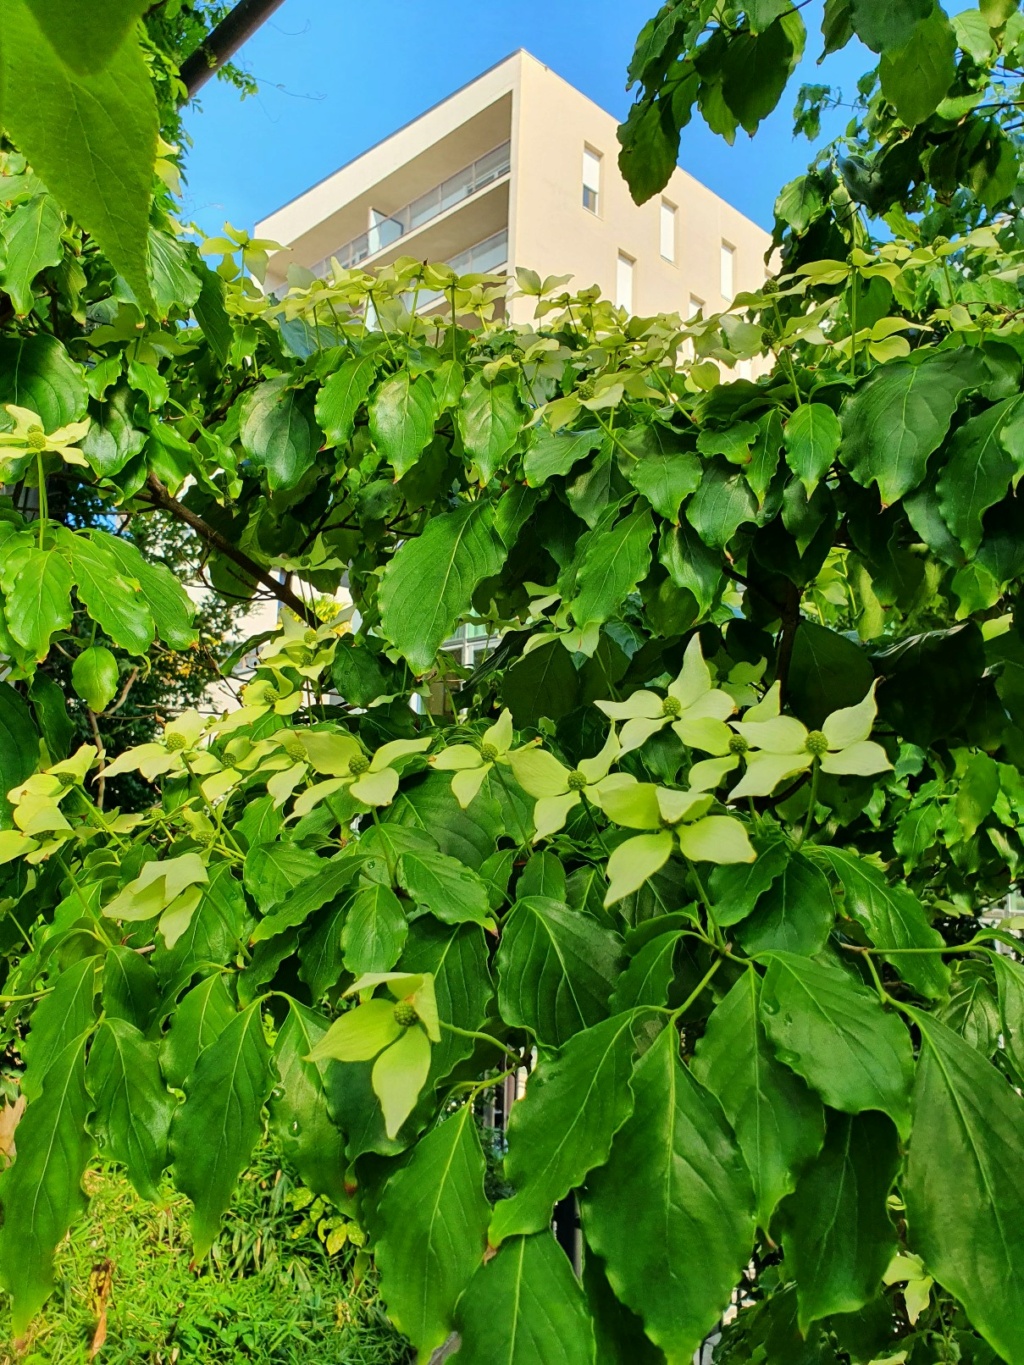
x,y
782,746
679,818
694,708
470,764
558,789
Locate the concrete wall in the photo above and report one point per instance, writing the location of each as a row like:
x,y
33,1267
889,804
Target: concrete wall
x,y
553,233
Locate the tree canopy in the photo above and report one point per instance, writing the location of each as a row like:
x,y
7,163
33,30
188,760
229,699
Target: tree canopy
x,y
707,843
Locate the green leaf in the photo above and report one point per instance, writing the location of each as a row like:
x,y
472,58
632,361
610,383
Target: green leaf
x,y
295,903
133,1106
525,1307
130,988
175,285
200,1019
490,419
211,314
736,888
916,77
87,42
1009,976
299,1115
976,793
899,415
31,236
41,1194
832,1031
543,875
451,892
359,1034
965,1171
458,961
647,979
893,918
812,438
827,671
274,869
984,455
430,808
110,121
574,1105
375,930
795,914
170,605
36,372
94,677
68,1011
277,432
671,1213
342,395
39,602
756,68
836,1231
107,595
621,1339
556,452
885,27
613,564
320,953
720,506
215,1130
635,861
665,478
778,1122
402,414
556,969
432,1230
429,584
19,747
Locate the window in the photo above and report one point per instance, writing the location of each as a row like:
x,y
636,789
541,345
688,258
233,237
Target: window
x,y
591,179
728,262
668,230
693,308
624,281
696,305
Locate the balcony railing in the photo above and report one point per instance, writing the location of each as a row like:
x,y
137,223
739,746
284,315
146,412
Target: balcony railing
x,y
436,201
482,259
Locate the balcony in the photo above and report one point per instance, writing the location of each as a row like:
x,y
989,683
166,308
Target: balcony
x,y
387,230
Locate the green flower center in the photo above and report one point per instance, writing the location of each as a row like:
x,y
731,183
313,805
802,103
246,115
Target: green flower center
x,y
204,837
358,765
405,1015
816,744
36,438
310,637
738,745
671,706
294,749
488,753
175,743
576,781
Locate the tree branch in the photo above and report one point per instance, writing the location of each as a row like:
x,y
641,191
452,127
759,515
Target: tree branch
x,y
221,45
163,499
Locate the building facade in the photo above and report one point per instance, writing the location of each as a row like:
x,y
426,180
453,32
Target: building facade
x,y
519,169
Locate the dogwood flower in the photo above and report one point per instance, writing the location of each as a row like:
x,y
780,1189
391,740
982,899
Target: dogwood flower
x,y
782,746
373,781
693,707
29,438
397,1032
558,789
470,763
679,817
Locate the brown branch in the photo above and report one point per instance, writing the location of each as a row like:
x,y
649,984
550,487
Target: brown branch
x,y
220,46
162,498
101,784
124,693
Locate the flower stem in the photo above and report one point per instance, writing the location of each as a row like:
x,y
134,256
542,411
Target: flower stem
x,y
44,509
811,802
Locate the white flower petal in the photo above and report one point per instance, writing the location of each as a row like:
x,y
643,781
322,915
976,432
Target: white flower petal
x,y
694,677
783,735
647,704
861,760
766,771
638,731
851,724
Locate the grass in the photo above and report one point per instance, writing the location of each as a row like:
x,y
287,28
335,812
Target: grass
x,y
269,1293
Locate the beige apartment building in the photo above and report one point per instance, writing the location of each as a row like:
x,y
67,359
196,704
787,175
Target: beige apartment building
x,y
518,168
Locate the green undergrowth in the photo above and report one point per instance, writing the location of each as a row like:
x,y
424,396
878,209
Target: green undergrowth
x,y
269,1292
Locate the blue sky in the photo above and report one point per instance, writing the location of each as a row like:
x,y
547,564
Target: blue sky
x,y
337,76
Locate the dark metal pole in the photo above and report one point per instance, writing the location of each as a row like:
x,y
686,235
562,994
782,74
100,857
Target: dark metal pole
x,y
224,41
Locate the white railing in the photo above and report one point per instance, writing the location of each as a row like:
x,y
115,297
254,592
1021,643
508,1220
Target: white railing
x,y
476,176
